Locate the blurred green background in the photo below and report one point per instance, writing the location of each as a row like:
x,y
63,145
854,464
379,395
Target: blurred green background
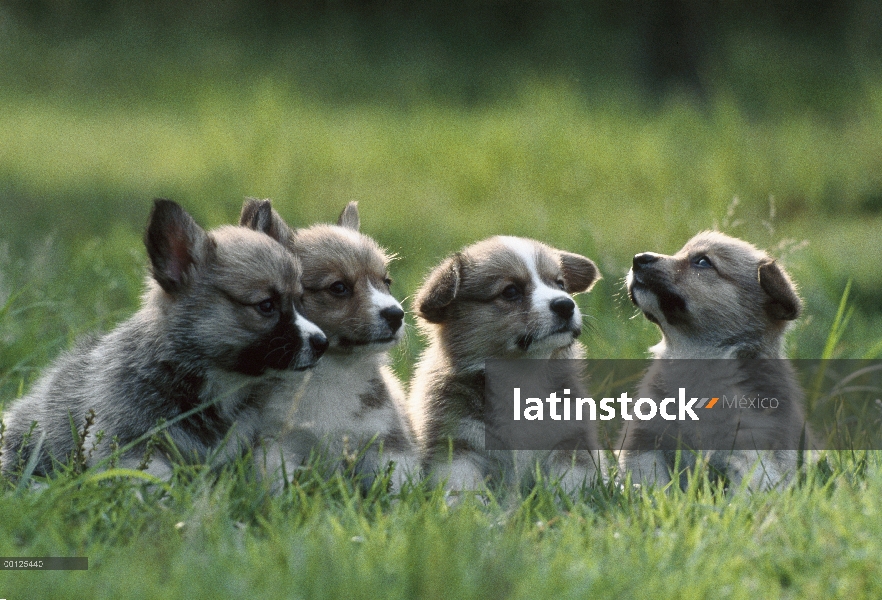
x,y
601,128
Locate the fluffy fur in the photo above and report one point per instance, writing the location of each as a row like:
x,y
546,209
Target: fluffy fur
x,y
351,403
503,297
718,298
217,326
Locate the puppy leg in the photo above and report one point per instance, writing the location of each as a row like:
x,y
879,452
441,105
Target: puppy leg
x,y
406,468
574,470
464,472
765,470
277,462
647,468
158,466
370,466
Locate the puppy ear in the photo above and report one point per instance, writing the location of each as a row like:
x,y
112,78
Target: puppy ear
x,y
175,245
260,216
580,273
784,304
349,217
439,290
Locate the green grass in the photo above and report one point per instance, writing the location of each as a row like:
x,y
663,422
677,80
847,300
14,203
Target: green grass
x,y
209,535
93,127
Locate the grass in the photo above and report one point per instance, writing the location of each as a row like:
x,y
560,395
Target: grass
x,y
94,126
208,535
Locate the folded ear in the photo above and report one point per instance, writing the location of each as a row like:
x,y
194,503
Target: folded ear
x,y
783,302
175,244
439,290
260,216
349,217
580,273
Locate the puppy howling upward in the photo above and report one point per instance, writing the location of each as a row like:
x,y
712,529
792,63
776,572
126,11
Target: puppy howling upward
x,y
351,401
718,298
217,332
501,298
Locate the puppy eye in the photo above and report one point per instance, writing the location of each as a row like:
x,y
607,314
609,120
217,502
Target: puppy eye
x,y
338,288
560,284
511,292
702,261
267,307
388,282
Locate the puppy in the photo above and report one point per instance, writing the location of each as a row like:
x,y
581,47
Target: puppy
x,y
507,298
351,403
718,298
217,327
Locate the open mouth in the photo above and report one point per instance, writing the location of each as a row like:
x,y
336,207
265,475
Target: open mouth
x,y
636,282
636,286
669,303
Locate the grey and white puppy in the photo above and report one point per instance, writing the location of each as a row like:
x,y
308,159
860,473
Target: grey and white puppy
x,y
718,298
217,326
501,298
351,403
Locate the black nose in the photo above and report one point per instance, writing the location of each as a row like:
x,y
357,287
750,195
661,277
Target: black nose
x,y
563,307
319,344
394,316
644,259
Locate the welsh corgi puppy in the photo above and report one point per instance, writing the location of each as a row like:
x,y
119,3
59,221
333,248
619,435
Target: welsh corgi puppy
x,y
718,298
351,402
507,298
216,333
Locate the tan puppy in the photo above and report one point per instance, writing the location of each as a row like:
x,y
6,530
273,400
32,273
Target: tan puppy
x,y
504,297
718,298
351,402
217,327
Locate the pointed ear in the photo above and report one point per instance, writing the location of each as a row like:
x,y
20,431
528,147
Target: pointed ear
x,y
349,217
783,302
175,245
580,273
439,290
260,216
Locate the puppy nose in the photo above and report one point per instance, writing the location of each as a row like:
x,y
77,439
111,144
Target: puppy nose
x,y
318,343
563,307
394,316
644,259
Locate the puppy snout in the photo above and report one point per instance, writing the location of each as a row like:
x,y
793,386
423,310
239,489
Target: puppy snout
x,y
563,307
394,317
319,343
644,259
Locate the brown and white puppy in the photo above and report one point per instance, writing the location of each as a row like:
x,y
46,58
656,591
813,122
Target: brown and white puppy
x,y
351,402
217,327
718,298
507,298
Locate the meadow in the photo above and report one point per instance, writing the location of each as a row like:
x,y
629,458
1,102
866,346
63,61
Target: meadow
x,y
439,150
